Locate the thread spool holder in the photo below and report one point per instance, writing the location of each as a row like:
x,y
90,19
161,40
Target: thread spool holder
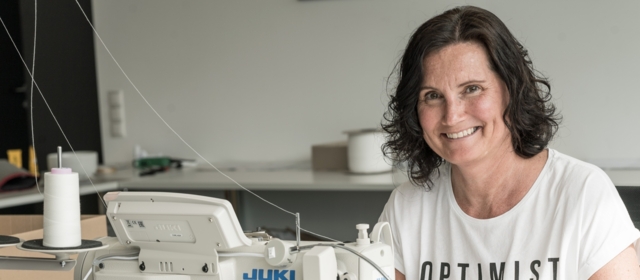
x,y
8,241
62,261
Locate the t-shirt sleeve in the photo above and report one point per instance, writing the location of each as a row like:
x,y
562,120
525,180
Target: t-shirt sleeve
x,y
389,215
605,226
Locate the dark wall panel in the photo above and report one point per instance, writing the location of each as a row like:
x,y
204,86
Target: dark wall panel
x,y
66,73
13,113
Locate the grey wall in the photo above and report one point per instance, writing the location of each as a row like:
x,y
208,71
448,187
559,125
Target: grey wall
x,y
264,80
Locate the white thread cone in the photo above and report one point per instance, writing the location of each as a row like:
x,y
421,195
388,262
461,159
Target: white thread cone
x,y
61,222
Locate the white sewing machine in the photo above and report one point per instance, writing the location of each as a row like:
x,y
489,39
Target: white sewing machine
x,y
181,237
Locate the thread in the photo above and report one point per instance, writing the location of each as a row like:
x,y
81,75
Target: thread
x,y
318,235
50,111
176,133
33,80
61,221
166,123
147,102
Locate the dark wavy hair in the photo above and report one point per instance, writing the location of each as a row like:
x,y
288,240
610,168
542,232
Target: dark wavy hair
x,y
530,116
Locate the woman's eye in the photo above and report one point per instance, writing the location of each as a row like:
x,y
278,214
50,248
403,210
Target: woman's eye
x,y
431,96
472,89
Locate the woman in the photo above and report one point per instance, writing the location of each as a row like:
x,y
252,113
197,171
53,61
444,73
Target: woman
x,y
487,199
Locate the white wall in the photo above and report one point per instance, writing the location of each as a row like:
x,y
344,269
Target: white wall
x,y
263,80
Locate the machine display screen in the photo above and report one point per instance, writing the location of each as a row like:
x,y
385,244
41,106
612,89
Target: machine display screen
x,y
158,230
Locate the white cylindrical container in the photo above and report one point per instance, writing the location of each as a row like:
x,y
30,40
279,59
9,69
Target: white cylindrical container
x,y
61,221
85,161
364,151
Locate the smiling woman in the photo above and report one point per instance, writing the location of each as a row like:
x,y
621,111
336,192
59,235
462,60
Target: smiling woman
x,y
461,105
530,117
487,197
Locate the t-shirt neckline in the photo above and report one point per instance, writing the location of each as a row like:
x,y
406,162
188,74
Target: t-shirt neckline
x,y
513,211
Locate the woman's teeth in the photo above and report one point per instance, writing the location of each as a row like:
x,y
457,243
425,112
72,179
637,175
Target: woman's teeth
x,y
461,133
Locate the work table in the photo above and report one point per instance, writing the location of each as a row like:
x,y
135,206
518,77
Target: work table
x,y
298,180
319,197
199,179
281,180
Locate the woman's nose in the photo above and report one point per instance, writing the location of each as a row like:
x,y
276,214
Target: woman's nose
x,y
454,112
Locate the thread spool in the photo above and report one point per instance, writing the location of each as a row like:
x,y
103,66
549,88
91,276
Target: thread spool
x,y
61,221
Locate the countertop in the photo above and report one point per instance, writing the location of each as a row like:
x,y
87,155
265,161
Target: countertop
x,y
267,180
281,180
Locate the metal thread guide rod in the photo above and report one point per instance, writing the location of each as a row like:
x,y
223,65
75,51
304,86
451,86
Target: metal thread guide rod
x,y
297,232
59,157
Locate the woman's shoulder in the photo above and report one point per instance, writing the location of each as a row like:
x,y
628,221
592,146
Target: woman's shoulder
x,y
567,172
569,166
409,191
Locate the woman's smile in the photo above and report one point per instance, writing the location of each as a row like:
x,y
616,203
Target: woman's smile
x,y
461,134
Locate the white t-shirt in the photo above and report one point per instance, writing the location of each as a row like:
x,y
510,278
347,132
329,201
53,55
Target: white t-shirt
x,y
569,225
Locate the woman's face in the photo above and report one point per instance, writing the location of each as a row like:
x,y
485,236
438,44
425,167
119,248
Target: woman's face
x,y
461,105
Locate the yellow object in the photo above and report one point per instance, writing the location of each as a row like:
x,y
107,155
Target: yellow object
x,y
33,165
15,157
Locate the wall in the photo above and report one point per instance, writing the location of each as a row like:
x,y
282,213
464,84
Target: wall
x,y
264,80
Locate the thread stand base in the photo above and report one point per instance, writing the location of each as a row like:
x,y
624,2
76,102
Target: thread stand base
x,y
8,241
37,246
62,261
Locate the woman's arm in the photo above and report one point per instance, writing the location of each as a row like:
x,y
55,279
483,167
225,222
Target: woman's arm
x,y
399,275
623,266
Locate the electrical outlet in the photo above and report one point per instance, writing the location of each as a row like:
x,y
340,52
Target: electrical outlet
x,y
116,113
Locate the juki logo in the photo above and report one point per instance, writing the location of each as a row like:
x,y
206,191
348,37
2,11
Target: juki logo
x,y
271,274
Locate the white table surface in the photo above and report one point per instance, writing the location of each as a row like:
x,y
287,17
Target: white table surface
x,y
267,180
304,180
294,180
17,198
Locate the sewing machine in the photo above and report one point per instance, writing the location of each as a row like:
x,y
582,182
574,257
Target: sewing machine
x,y
180,236
173,236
